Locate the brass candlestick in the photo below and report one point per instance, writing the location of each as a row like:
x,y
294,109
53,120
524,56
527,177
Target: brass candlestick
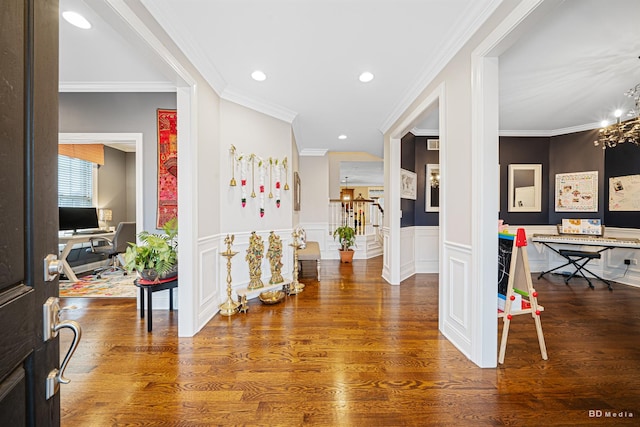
x,y
229,307
295,287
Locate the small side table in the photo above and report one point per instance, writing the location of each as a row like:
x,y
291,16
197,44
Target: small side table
x,y
151,287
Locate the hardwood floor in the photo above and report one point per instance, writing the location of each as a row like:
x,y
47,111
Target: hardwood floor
x,y
352,350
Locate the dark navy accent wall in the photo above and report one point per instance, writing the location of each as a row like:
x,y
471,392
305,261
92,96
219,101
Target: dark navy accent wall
x,y
621,161
407,161
575,152
523,150
422,158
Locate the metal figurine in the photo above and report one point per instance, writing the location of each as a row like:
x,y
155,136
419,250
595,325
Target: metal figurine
x,y
275,256
243,306
255,253
229,307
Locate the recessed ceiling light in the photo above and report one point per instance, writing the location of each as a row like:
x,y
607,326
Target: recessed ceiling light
x,y
342,136
366,77
74,18
258,76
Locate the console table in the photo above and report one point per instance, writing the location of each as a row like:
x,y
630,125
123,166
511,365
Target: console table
x,y
154,286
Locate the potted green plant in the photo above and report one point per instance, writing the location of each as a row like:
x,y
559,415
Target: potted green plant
x,y
156,257
347,237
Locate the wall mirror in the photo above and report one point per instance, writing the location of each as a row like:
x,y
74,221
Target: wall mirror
x,y
525,188
432,188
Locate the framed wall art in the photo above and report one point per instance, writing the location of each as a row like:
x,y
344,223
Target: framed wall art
x,y
577,192
408,185
525,188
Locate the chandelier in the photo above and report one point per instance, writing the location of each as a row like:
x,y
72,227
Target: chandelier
x,y
434,180
622,131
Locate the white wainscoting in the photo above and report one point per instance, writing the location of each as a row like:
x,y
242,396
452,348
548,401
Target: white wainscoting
x,y
427,249
366,246
407,252
209,293
455,291
386,270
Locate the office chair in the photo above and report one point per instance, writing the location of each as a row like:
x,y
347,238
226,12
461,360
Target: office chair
x,y
125,233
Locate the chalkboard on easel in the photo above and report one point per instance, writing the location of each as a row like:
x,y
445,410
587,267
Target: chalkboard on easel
x,y
505,249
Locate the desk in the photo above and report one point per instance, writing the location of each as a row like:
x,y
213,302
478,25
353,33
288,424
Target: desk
x,y
579,258
69,240
169,284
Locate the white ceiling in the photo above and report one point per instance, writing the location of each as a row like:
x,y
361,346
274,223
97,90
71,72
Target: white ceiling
x,y
568,73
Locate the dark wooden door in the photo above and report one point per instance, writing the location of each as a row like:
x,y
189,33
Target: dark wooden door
x,y
28,207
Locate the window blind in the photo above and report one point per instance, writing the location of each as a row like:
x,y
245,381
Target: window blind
x,y
75,182
90,152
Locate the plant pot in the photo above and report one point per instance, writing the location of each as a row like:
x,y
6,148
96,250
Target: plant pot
x,y
173,272
151,274
346,256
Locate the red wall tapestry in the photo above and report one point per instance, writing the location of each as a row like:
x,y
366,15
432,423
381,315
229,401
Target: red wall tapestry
x,y
167,166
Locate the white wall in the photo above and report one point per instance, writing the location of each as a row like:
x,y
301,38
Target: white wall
x,y
114,184
252,132
131,186
314,176
472,325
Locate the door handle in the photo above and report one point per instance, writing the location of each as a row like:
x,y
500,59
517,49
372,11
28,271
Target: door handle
x,y
52,267
52,325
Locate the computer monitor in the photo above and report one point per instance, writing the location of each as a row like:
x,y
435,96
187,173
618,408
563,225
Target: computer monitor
x,y
77,218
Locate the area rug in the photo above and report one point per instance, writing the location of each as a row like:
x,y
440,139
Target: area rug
x,y
111,286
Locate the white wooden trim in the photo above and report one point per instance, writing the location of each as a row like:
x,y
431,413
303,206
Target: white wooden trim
x,y
484,176
189,319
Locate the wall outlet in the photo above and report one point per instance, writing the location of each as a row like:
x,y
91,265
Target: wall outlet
x,y
631,262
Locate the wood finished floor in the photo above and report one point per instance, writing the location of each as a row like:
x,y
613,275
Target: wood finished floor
x,y
353,351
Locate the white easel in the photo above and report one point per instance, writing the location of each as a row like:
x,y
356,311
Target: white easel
x,y
520,275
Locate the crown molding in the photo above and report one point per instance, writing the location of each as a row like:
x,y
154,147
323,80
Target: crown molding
x,y
200,61
313,152
530,133
116,87
425,132
550,133
267,108
470,23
